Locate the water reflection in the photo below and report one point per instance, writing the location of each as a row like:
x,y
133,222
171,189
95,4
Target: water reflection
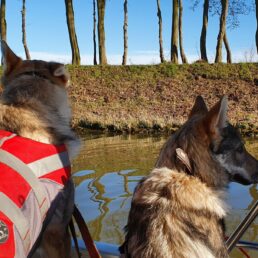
x,y
107,171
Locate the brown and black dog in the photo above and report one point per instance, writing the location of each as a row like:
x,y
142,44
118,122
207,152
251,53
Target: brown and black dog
x,y
178,210
34,105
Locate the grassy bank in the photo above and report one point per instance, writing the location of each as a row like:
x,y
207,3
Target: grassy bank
x,y
159,97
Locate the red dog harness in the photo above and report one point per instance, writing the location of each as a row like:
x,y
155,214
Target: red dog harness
x,y
31,176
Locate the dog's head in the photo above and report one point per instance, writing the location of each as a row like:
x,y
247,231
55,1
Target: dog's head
x,y
40,88
214,147
36,84
15,67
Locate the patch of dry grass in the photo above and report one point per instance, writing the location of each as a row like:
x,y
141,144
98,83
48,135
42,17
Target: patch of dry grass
x,y
159,97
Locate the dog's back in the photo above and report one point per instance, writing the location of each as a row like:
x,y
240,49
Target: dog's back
x,y
35,114
175,215
178,209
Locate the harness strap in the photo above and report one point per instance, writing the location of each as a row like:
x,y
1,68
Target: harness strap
x,y
12,211
72,229
21,168
89,243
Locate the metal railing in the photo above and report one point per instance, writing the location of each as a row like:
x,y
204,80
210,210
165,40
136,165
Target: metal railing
x,y
233,240
111,250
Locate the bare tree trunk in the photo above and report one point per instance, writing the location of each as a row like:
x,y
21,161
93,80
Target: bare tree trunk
x,y
24,41
125,33
204,30
101,32
222,30
174,37
182,52
72,34
256,35
94,34
161,51
229,56
3,21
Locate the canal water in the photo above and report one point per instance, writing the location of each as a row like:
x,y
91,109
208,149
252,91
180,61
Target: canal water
x,y
108,169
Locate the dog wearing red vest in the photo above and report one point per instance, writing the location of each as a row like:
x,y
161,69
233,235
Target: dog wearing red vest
x,y
36,146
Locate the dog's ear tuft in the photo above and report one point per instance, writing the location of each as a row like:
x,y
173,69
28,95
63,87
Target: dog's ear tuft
x,y
59,71
9,59
199,107
216,119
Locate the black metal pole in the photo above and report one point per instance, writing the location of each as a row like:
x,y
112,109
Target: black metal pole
x,y
242,227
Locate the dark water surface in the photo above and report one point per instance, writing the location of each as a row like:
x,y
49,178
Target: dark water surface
x,y
108,169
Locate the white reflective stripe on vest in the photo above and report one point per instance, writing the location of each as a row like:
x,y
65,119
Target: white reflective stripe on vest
x,y
13,212
6,138
48,164
23,170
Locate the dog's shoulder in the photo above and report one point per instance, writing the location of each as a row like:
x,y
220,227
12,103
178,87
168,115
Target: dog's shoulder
x,y
173,189
34,103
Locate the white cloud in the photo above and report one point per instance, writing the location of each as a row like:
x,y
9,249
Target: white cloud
x,y
148,57
143,57
62,58
115,59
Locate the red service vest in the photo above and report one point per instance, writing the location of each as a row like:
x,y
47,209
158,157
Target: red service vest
x,y
31,176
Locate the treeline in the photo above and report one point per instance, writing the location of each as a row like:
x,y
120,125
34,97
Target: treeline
x,y
227,10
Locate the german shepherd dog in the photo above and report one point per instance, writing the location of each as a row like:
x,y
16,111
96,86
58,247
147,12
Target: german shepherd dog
x,y
178,210
34,105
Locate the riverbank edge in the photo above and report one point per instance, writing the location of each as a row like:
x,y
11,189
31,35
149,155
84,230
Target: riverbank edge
x,y
96,128
103,97
135,99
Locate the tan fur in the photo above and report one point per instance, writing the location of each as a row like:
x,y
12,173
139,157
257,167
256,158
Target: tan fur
x,y
166,220
164,184
34,104
177,211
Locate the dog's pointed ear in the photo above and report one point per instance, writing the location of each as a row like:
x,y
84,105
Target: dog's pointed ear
x,y
58,70
199,107
216,119
9,59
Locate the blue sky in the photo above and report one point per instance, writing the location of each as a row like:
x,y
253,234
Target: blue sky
x,y
47,34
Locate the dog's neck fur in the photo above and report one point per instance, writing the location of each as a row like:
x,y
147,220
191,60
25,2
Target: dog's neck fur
x,y
25,123
36,108
37,125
